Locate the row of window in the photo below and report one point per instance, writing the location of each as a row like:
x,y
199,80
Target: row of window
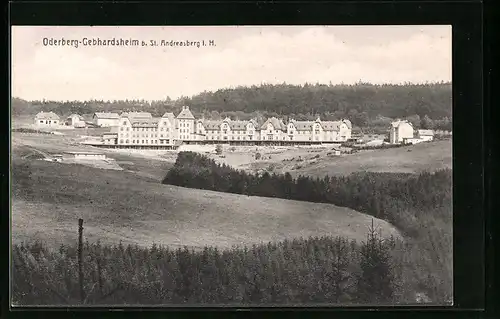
x,y
154,129
144,129
229,132
143,135
269,138
48,122
145,141
240,138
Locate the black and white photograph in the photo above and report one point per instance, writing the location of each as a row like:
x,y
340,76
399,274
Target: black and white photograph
x,y
240,166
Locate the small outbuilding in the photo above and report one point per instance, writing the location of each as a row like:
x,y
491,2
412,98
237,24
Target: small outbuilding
x,y
75,120
87,155
425,135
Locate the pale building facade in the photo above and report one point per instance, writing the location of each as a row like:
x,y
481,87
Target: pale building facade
x,y
273,129
228,130
47,119
186,123
425,135
103,119
399,131
319,131
142,129
75,120
111,137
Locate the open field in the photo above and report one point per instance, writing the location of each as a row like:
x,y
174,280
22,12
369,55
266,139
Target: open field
x,y
48,198
148,165
429,156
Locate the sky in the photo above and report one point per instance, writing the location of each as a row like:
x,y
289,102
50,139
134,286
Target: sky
x,y
242,55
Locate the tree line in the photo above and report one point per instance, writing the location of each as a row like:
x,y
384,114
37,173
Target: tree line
x,y
366,105
321,270
382,195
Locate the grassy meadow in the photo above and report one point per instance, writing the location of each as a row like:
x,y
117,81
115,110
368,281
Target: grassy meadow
x,y
48,198
320,161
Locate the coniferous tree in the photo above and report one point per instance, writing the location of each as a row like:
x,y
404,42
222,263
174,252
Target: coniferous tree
x,y
376,282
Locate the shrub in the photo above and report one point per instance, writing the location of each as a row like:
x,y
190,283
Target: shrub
x,y
218,149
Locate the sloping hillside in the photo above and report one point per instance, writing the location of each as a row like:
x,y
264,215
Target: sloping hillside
x,y
430,156
48,198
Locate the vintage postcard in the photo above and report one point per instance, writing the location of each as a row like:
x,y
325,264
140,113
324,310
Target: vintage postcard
x,y
231,166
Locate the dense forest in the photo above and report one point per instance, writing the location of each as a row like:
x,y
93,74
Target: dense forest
x,y
419,205
366,105
317,270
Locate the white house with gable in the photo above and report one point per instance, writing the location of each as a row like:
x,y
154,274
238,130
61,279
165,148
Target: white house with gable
x,y
47,119
399,131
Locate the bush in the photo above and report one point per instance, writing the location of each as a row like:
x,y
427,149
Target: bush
x,y
218,149
258,156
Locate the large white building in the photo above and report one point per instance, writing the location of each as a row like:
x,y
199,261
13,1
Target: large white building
x,y
47,119
399,131
141,129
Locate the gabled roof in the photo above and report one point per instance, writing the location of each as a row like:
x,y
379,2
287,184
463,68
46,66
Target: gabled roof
x,y
302,125
137,115
397,123
211,125
145,122
77,115
47,116
277,124
185,114
331,125
426,132
348,123
171,118
103,115
236,125
254,123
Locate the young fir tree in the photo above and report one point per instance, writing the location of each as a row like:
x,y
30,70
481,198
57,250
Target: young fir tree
x,y
376,282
